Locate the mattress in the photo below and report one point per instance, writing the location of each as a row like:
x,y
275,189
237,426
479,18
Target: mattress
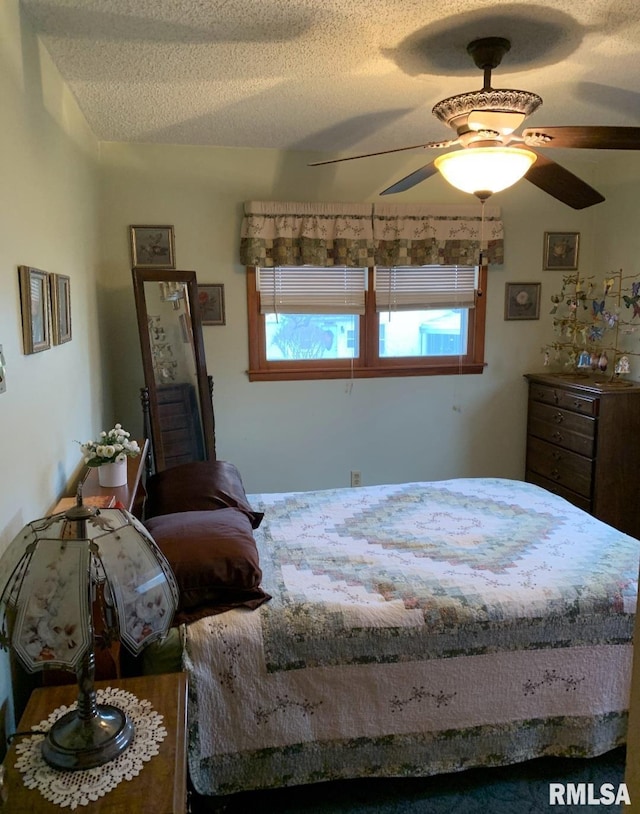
x,y
415,629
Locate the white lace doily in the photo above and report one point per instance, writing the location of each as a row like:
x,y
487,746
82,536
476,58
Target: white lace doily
x,y
79,788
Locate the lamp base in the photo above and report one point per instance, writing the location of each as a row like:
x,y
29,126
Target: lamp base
x,y
74,744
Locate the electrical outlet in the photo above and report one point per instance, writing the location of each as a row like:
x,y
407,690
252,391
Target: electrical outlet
x,y
356,478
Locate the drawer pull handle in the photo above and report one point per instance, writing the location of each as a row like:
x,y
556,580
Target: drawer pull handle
x,y
578,405
557,456
557,435
555,473
558,418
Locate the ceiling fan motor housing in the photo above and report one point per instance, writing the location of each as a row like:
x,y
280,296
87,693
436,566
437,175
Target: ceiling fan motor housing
x,y
455,110
487,54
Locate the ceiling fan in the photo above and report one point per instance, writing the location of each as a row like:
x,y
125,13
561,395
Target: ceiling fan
x,y
485,122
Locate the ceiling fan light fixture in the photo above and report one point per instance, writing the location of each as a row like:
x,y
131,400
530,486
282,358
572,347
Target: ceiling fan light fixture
x,y
503,122
485,170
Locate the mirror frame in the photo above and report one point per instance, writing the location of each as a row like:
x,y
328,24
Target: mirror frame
x,y
150,392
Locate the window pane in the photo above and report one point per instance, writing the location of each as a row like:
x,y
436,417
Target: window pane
x,y
311,336
423,333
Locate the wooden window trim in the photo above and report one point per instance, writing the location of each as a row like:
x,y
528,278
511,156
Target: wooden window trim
x,y
369,365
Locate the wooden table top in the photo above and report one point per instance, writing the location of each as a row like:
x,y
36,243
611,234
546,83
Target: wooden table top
x,y
160,788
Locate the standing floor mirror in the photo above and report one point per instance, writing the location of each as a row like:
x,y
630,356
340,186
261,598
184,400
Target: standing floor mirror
x,y
177,396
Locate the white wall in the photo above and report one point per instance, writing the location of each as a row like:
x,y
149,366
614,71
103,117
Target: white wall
x,y
618,235
48,219
304,435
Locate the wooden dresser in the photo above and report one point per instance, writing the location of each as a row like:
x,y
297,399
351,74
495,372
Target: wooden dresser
x,y
179,424
582,440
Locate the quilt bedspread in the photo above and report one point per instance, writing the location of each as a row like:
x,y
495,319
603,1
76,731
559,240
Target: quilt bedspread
x,y
414,629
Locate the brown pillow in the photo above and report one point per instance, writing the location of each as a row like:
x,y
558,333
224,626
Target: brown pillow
x,y
197,486
214,558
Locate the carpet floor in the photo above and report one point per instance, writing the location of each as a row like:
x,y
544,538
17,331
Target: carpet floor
x,y
519,789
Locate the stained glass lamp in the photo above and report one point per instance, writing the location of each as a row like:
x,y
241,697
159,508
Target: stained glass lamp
x,y
58,576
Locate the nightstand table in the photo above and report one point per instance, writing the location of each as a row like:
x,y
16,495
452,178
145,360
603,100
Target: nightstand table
x,y
161,786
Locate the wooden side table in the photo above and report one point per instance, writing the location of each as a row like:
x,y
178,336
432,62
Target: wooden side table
x,y
161,786
132,494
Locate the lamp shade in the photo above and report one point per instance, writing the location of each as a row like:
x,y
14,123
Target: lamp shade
x,y
54,569
484,170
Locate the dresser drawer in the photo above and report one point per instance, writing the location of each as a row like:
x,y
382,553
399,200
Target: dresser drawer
x,y
173,417
580,501
587,405
569,430
560,466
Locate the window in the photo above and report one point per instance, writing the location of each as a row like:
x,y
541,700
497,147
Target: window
x,y
310,322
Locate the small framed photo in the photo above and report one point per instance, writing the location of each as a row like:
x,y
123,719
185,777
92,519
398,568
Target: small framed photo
x,y
522,301
561,250
36,309
60,308
211,304
152,247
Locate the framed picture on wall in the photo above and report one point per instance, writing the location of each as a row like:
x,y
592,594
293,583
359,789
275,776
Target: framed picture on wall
x,y
561,250
152,247
522,301
211,304
36,309
60,308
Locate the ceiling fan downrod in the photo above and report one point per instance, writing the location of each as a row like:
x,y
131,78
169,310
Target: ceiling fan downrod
x,y
487,54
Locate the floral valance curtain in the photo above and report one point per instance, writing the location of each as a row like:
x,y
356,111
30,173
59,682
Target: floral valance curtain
x,y
419,234
280,233
276,233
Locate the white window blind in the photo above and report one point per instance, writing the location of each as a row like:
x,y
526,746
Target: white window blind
x,y
311,290
414,288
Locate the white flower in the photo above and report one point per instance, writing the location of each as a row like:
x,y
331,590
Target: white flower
x,y
111,446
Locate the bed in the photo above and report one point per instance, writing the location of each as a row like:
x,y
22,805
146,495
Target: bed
x,y
395,630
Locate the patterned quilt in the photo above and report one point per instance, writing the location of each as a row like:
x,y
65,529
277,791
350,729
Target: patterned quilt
x,y
414,629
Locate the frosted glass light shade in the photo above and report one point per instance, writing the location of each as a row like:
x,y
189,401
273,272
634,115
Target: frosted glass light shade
x,y
484,170
52,570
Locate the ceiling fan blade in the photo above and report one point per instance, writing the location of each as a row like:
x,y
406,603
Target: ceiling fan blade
x,y
411,180
430,144
563,185
591,138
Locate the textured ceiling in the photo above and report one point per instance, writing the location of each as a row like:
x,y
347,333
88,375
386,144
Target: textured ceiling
x,y
337,76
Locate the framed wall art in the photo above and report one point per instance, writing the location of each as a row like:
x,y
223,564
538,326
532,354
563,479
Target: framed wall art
x,y
522,301
211,304
561,250
60,308
152,247
35,301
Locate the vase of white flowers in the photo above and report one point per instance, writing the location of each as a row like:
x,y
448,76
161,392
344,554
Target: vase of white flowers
x,y
110,453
